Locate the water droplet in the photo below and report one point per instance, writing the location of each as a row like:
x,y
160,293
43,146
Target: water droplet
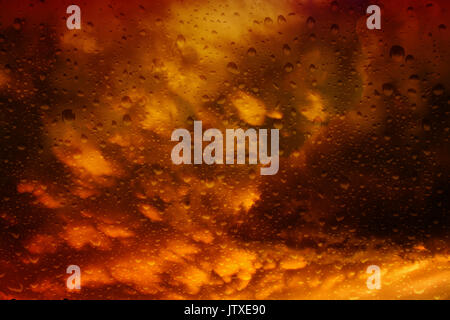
x,y
397,53
438,90
426,125
181,40
286,49
334,29
126,120
388,89
221,100
288,67
17,24
334,6
232,68
409,58
345,186
68,115
310,22
268,21
281,19
126,102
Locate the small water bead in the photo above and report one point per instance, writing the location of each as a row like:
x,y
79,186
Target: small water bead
x,y
388,89
268,21
181,40
126,120
409,58
286,50
334,29
438,90
281,19
126,102
17,25
334,6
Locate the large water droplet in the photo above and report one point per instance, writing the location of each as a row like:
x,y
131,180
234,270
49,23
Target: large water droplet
x,y
397,53
334,6
233,68
181,40
388,89
68,115
310,22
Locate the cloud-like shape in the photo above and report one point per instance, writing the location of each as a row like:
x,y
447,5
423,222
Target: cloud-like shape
x,y
363,179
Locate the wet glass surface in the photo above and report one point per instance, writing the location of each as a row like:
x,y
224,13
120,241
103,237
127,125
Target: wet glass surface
x,y
87,177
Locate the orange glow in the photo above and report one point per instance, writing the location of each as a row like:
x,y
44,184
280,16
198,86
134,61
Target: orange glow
x,y
87,117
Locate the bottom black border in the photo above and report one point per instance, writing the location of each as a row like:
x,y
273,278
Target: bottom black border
x,y
178,309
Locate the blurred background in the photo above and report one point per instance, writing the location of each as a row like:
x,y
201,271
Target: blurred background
x,y
85,124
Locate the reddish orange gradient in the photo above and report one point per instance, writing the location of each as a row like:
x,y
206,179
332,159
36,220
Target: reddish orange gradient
x,y
88,180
